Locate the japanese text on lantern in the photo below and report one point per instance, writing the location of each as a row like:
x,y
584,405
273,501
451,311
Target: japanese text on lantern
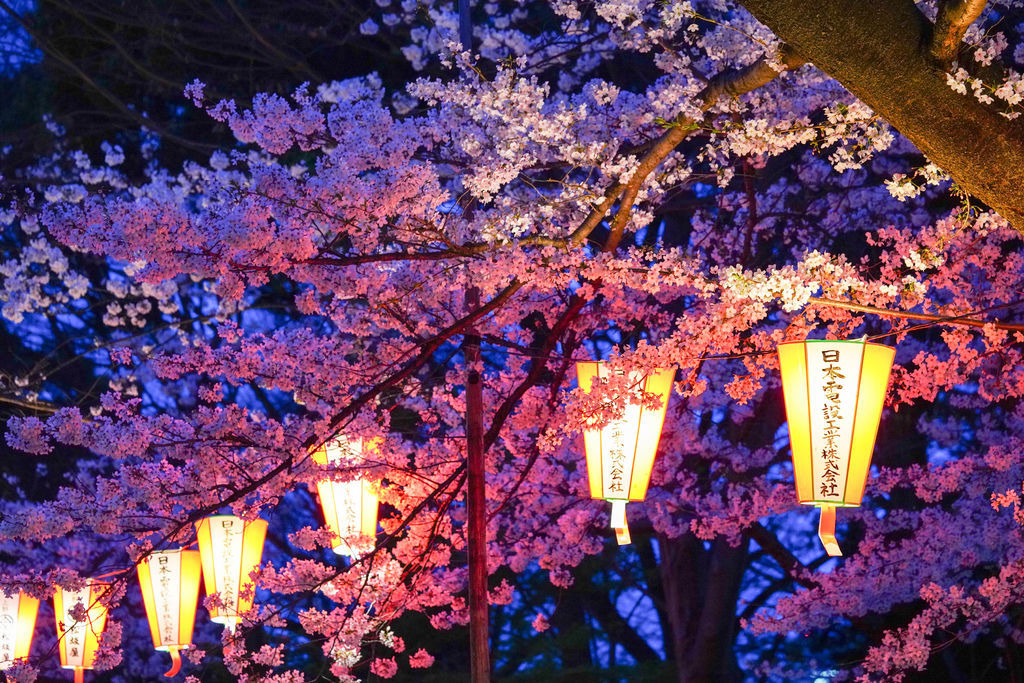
x,y
8,620
74,629
351,508
166,598
231,548
831,387
617,458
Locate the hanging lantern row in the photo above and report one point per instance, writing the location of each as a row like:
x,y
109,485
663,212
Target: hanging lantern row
x,y
834,392
230,549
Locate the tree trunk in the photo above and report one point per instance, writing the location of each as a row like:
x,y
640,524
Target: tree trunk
x,y
701,590
877,49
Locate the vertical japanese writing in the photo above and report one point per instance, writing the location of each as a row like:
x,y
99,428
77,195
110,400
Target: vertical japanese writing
x,y
8,624
831,387
165,582
617,457
74,630
229,592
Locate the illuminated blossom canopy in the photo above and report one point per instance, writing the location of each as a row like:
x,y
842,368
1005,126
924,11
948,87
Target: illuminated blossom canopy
x,y
654,184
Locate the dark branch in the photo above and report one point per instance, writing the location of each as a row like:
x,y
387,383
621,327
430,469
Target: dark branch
x,y
770,543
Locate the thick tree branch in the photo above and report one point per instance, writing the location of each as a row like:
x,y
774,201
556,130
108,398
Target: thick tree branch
x,y
878,51
732,84
955,17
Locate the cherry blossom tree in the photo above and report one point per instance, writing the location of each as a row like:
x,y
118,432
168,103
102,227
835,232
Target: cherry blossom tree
x,y
679,184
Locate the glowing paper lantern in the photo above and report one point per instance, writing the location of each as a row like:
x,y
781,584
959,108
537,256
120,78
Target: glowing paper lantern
x,y
17,622
230,548
170,591
620,456
79,640
349,507
834,391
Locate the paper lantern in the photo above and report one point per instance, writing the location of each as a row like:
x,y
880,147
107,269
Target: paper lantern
x,y
230,548
834,392
79,640
349,507
169,580
620,455
17,623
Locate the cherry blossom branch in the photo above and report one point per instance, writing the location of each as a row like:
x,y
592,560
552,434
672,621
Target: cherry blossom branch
x,y
952,22
537,366
953,320
427,349
732,84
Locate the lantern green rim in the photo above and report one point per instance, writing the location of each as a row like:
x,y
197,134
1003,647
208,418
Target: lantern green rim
x,y
167,648
245,521
835,341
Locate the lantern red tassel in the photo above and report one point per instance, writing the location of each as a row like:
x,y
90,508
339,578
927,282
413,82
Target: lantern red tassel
x,y
175,662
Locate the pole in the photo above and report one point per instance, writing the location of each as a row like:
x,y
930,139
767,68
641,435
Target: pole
x,y
465,27
476,502
476,477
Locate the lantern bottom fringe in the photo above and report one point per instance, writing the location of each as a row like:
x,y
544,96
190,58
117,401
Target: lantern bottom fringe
x,y
175,663
619,524
79,674
827,531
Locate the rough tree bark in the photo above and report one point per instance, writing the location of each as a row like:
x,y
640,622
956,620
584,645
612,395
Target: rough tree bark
x,y
879,51
701,589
